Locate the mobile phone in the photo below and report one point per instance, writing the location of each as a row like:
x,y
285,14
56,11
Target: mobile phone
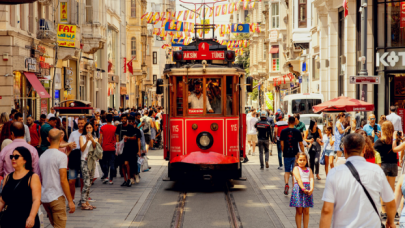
x,y
375,129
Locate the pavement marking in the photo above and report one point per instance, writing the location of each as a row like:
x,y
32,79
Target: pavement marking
x,y
259,192
135,217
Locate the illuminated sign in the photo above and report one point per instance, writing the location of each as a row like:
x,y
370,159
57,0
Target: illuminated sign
x,y
203,53
66,35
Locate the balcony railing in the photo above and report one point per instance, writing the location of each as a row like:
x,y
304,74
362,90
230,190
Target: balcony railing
x,y
46,31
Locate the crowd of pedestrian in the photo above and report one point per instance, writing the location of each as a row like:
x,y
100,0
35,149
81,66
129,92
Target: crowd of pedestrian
x,y
361,158
41,160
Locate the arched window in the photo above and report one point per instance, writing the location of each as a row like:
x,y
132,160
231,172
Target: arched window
x,y
133,47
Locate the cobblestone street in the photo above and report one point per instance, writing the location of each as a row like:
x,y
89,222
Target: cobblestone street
x,y
130,207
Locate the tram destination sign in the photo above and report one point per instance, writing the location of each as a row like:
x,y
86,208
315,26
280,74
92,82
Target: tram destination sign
x,y
364,80
211,55
204,53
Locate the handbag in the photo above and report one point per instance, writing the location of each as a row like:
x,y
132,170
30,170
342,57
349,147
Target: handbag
x,y
357,177
322,161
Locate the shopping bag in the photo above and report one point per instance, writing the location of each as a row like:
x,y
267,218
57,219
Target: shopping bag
x,y
140,161
119,147
145,165
322,161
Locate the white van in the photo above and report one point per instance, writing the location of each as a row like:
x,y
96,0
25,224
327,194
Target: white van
x,y
302,104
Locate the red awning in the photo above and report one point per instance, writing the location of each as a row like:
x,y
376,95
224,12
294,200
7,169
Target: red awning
x,y
274,50
37,85
343,104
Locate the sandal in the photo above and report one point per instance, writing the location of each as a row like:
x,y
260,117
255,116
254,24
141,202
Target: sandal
x,y
93,207
86,207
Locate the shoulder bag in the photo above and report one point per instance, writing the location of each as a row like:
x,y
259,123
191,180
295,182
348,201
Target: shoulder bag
x,y
322,161
357,177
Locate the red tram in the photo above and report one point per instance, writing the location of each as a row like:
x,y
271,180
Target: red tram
x,y
204,125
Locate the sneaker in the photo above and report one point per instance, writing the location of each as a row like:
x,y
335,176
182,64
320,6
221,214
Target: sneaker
x,y
124,184
245,160
261,167
286,189
105,181
267,165
383,215
132,181
250,152
111,182
129,184
91,200
280,168
137,178
253,154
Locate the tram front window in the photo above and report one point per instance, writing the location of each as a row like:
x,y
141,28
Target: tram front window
x,y
196,98
214,94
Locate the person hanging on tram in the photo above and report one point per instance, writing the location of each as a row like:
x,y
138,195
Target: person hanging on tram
x,y
195,99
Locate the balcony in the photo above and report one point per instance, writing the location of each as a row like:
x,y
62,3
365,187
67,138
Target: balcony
x,y
93,36
46,32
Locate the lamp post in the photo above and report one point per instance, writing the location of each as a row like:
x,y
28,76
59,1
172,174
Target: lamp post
x,y
363,46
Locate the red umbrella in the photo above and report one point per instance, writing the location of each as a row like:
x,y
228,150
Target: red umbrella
x,y
343,104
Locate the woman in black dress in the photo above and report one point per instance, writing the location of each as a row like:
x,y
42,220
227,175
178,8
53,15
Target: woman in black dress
x,y
313,136
21,196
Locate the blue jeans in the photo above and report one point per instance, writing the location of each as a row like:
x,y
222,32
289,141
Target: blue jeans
x,y
280,153
108,163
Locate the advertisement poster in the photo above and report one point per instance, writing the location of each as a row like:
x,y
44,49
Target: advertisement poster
x,y
64,12
44,106
66,35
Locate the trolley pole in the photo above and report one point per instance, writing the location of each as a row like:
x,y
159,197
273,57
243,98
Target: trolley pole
x,y
363,70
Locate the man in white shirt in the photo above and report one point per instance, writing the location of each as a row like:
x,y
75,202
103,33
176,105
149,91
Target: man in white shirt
x,y
196,100
18,117
51,114
395,119
55,187
251,133
345,199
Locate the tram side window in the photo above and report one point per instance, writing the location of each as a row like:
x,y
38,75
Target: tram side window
x,y
229,95
214,94
196,97
179,96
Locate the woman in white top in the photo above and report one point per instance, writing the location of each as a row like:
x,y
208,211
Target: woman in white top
x,y
328,141
86,141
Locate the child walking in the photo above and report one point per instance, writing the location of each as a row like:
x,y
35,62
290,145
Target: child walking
x,y
301,197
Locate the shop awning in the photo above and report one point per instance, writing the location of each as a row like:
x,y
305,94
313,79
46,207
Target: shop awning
x,y
37,85
274,50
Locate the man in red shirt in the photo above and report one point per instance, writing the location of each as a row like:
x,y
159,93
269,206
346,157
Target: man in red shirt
x,y
107,140
34,132
278,127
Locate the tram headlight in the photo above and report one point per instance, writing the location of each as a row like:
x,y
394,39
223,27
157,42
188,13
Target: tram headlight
x,y
205,140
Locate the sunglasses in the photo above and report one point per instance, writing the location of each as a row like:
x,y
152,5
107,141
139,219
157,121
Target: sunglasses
x,y
14,156
372,118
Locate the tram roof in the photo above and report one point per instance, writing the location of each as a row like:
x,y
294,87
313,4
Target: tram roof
x,y
197,69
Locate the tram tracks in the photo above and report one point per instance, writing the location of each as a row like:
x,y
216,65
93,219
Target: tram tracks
x,y
232,210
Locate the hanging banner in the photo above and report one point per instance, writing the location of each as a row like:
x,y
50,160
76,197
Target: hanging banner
x,y
63,12
240,28
125,65
401,113
172,26
66,35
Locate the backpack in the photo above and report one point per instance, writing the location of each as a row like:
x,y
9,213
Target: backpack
x,y
146,127
37,129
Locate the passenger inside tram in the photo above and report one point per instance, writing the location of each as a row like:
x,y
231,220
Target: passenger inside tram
x,y
214,95
195,98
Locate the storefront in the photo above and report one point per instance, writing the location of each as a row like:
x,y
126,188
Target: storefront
x,y
389,34
123,95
